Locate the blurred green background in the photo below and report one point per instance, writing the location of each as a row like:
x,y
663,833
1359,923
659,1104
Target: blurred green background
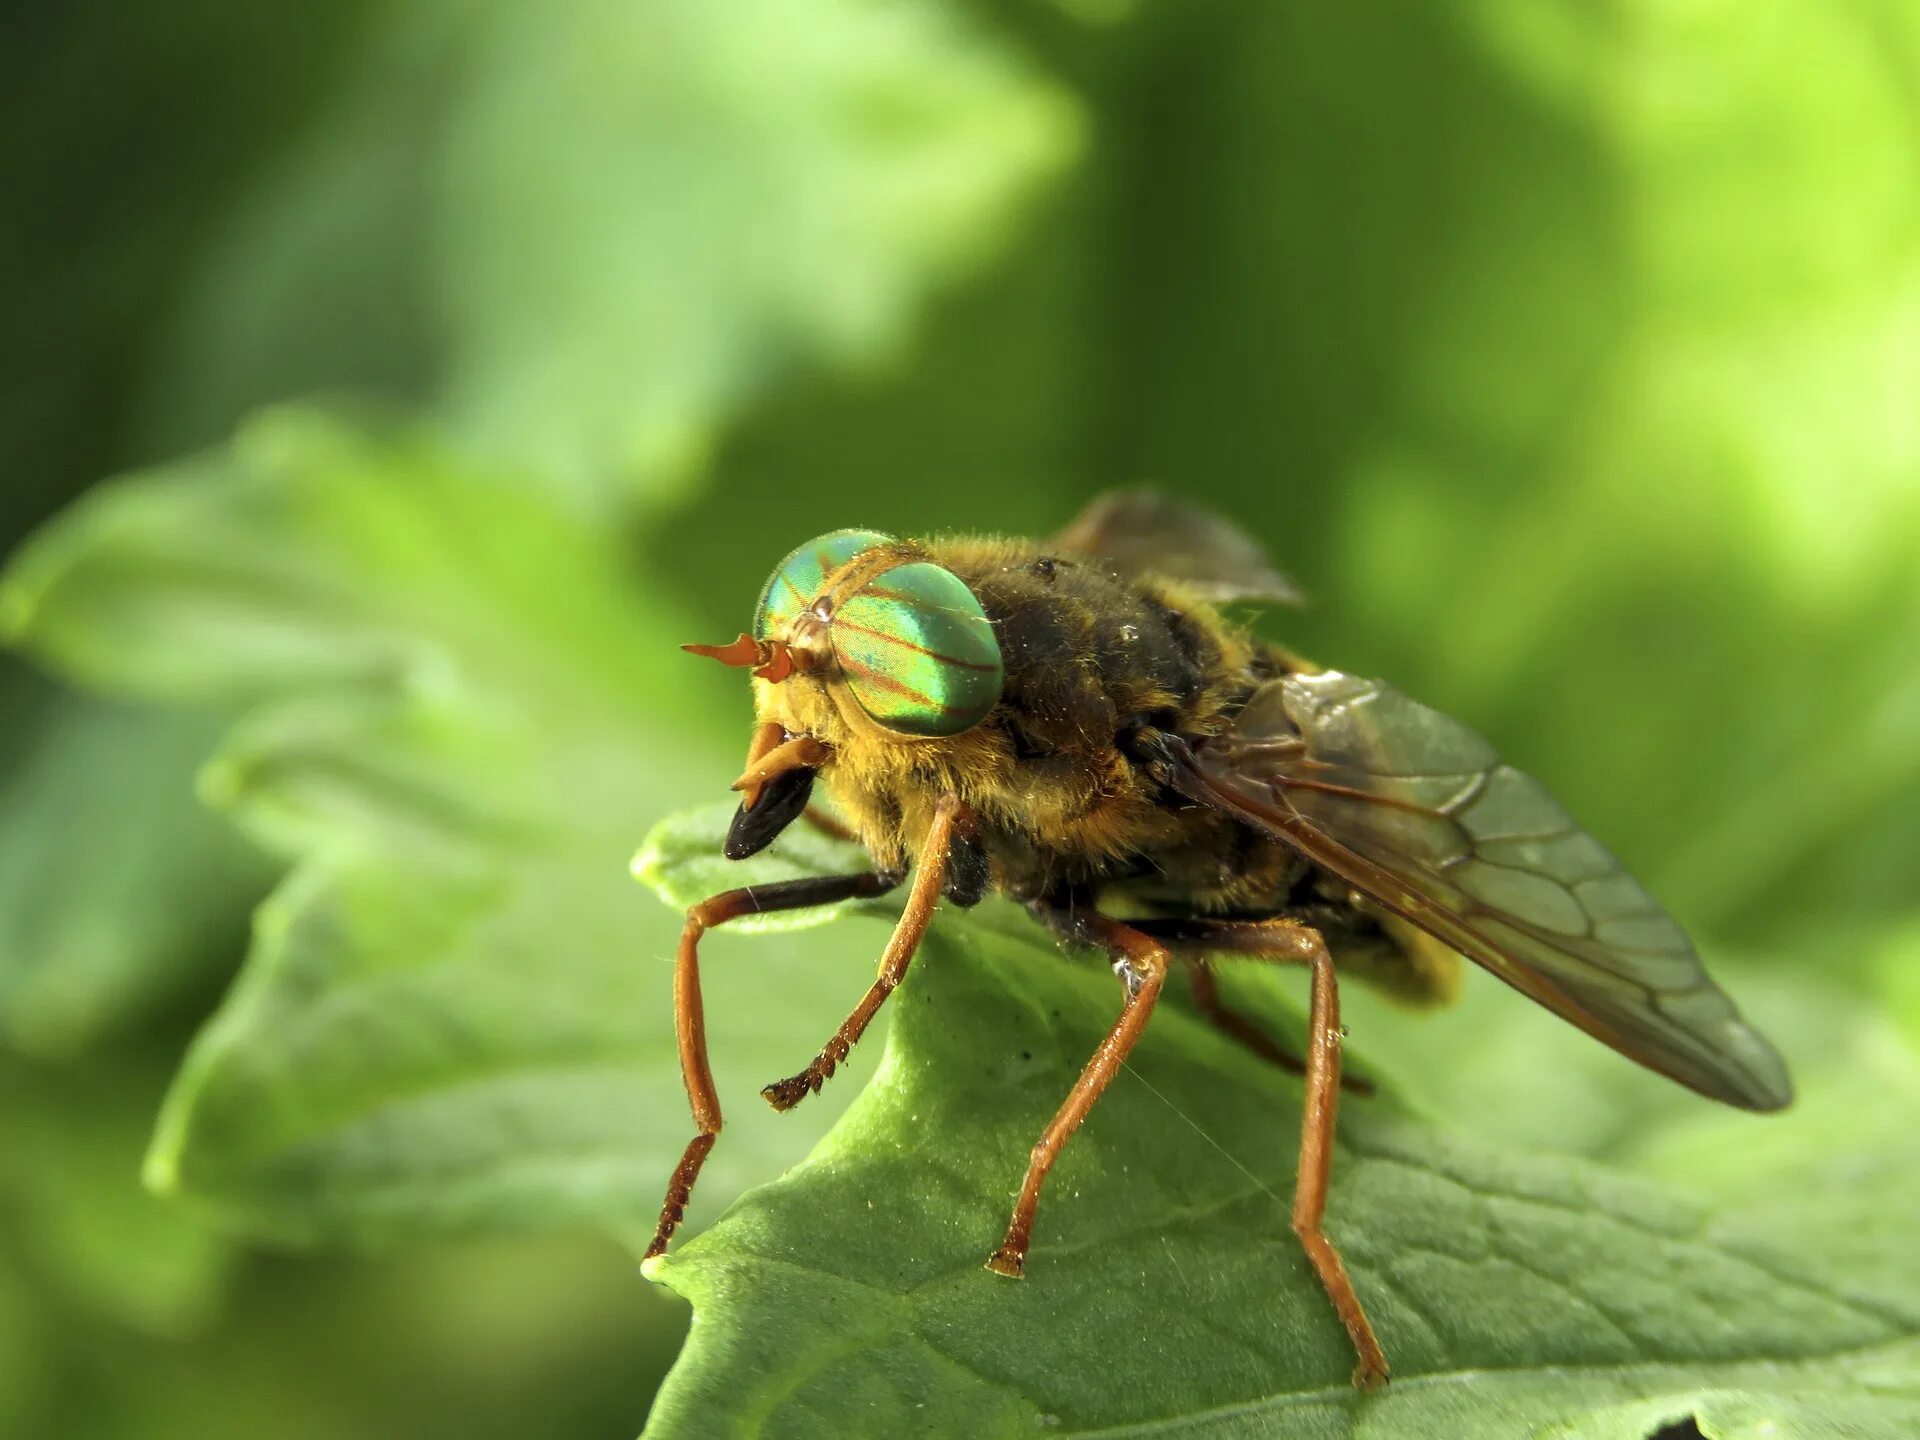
x,y
1569,354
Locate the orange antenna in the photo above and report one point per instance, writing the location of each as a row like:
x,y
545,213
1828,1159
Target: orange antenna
x,y
744,652
771,660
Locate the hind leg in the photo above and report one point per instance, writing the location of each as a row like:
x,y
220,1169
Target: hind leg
x,y
1292,942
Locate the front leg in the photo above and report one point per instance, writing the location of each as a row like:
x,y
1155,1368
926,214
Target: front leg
x,y
930,874
689,1016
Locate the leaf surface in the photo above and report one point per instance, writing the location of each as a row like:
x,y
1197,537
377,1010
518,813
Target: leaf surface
x,y
118,891
1516,1291
456,1010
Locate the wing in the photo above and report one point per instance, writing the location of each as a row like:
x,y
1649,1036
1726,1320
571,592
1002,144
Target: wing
x,y
1415,810
1141,532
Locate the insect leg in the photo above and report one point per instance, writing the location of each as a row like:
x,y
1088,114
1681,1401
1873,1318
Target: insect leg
x,y
1288,940
828,825
1223,1017
1216,1012
1144,963
689,1020
930,874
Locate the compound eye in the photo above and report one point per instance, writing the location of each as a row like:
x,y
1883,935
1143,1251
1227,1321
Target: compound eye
x,y
801,577
918,652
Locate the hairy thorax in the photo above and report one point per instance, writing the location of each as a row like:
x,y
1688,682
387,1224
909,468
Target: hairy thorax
x,y
1058,800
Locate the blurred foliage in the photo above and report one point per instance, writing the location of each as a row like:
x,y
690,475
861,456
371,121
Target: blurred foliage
x,y
450,1018
590,230
1567,354
102,923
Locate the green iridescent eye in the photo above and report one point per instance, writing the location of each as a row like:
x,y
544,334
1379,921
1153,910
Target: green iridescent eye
x,y
800,577
918,652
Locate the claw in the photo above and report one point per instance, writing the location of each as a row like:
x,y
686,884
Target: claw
x,y
785,1094
1008,1262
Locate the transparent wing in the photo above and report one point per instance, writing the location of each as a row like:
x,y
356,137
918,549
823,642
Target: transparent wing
x,y
1415,810
1142,532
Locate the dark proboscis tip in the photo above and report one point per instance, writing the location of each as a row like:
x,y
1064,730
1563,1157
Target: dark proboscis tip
x,y
781,800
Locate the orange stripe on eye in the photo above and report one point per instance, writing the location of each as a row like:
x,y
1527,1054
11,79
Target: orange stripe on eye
x,y
881,680
907,597
842,623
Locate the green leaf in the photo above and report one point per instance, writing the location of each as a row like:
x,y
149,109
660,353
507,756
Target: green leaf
x,y
70,1174
1516,1292
592,230
173,119
117,890
682,862
455,1012
24,1350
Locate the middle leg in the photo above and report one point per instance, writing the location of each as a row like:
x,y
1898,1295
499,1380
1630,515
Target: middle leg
x,y
1142,963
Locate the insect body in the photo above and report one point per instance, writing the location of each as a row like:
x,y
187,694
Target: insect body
x,y
1074,724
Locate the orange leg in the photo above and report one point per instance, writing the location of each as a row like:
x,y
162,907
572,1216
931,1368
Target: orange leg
x,y
930,874
1216,1012
689,1020
1288,940
1146,962
1206,999
828,825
